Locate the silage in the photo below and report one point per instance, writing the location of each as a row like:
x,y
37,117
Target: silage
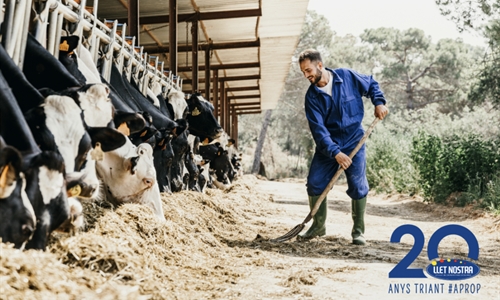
x,y
126,252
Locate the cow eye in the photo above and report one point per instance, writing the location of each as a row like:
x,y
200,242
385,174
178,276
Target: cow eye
x,y
141,152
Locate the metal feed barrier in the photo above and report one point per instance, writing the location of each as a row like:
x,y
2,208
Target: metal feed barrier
x,y
105,40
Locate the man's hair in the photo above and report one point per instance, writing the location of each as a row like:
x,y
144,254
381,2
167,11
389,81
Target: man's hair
x,y
312,54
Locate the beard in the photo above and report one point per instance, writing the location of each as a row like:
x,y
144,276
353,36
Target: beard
x,y
317,76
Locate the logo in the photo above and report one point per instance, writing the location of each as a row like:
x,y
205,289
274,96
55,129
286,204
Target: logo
x,y
452,269
439,267
450,272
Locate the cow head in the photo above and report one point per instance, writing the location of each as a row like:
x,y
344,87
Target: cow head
x,y
202,122
95,103
46,189
129,176
16,212
177,104
222,166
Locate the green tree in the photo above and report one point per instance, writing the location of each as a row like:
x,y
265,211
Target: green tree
x,y
415,72
484,17
469,14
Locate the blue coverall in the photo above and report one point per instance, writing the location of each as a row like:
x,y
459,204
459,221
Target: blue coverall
x,y
335,123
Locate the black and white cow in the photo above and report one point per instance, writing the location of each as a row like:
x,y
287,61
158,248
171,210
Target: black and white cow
x,y
202,122
166,132
18,219
42,177
126,170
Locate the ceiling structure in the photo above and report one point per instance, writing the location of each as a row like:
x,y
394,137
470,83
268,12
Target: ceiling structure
x,y
267,32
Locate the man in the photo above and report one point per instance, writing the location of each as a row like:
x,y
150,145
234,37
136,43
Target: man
x,y
334,110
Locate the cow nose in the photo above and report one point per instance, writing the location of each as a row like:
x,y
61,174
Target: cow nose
x,y
27,229
148,182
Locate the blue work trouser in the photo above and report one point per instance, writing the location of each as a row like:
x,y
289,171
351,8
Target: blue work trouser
x,y
323,168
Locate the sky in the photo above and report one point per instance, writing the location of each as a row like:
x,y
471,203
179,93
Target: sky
x,y
353,16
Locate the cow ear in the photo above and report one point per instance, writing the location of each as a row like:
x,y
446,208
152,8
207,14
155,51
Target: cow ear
x,y
10,166
134,121
68,44
109,138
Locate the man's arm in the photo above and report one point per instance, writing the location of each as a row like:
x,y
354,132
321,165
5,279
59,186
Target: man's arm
x,y
369,87
321,135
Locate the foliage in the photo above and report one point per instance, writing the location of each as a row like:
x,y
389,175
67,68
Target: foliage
x,y
454,164
469,14
416,72
390,168
446,145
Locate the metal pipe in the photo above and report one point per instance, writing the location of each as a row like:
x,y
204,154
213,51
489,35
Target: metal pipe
x,y
24,36
173,35
52,32
60,20
10,6
194,55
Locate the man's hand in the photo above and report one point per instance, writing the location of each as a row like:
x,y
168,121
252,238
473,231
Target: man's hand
x,y
381,111
343,160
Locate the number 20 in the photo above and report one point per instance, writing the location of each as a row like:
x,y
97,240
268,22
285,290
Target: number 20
x,y
401,270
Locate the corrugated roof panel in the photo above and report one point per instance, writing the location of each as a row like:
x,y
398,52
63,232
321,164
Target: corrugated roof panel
x,y
279,31
276,58
233,30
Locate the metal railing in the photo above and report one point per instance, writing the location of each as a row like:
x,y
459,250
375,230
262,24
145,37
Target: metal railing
x,y
105,40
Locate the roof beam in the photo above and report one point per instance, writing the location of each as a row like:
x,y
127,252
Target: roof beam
x,y
243,97
152,48
237,89
245,104
200,16
220,67
231,78
246,108
248,112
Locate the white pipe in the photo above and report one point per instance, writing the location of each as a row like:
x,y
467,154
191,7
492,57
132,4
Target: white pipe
x,y
10,7
60,19
41,26
16,27
24,36
52,32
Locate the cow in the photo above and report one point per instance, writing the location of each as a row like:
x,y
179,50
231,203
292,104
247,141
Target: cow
x,y
43,173
126,170
166,132
201,120
18,219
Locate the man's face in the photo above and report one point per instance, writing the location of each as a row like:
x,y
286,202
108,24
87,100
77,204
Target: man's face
x,y
311,70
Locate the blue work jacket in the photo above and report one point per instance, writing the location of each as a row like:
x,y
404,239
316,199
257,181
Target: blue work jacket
x,y
335,121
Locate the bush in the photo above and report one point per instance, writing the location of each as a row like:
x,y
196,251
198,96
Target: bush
x,y
389,165
465,164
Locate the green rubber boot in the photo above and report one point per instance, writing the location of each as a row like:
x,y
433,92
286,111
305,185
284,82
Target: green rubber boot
x,y
318,227
358,216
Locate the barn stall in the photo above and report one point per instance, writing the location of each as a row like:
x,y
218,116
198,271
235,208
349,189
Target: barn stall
x,y
237,55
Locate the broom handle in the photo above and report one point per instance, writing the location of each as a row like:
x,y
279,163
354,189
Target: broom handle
x,y
339,171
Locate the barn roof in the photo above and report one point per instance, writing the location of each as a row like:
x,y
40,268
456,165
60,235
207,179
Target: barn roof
x,y
252,42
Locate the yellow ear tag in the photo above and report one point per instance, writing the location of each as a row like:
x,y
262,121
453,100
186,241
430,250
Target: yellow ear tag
x,y
3,177
123,128
75,191
64,46
205,141
195,112
143,133
97,154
